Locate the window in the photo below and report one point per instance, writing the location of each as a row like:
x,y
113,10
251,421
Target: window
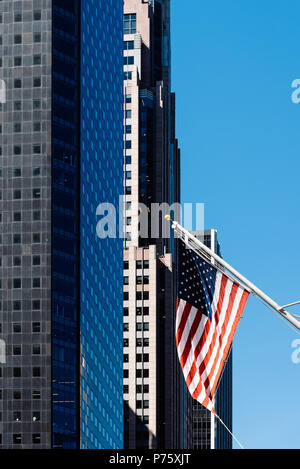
x,y
127,75
36,193
36,416
17,149
18,39
126,358
36,260
17,395
36,305
17,416
17,239
18,17
126,342
17,350
17,261
36,349
128,129
36,126
126,280
127,190
130,23
128,45
17,372
17,172
125,265
17,438
37,60
36,394
126,326
126,373
129,60
17,283
17,105
36,327
17,83
17,61
36,372
37,82
17,305
36,104
37,37
17,328
36,283
128,161
36,238
126,312
128,114
17,216
36,149
125,295
128,144
17,194
36,438
37,15
17,127
36,216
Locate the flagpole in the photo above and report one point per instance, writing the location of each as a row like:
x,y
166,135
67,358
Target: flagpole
x,y
194,243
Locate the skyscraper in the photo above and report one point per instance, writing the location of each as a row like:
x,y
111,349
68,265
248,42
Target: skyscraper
x,y
61,286
154,395
208,433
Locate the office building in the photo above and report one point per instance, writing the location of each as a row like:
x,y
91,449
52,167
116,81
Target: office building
x,y
207,431
154,392
61,286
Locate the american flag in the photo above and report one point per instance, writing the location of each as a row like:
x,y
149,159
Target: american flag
x,y
209,307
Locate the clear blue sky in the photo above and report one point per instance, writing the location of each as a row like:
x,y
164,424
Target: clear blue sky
x,y
233,65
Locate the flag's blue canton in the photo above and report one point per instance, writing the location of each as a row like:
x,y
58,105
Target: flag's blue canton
x,y
197,281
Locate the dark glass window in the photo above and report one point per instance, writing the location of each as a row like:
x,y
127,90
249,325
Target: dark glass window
x,y
37,37
17,439
17,61
36,438
128,45
130,23
36,327
37,15
18,39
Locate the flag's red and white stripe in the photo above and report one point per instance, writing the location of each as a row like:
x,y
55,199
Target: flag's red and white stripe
x,y
203,345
